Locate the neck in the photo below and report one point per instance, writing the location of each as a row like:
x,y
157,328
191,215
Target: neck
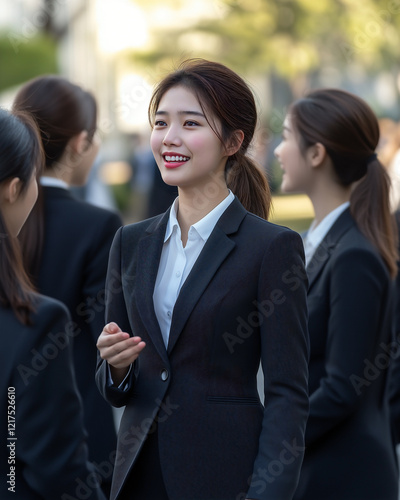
x,y
326,198
194,204
63,168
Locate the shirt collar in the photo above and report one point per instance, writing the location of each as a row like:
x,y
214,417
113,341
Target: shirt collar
x,y
315,235
172,221
52,182
204,226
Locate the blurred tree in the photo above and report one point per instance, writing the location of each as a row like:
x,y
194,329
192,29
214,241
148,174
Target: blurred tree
x,y
291,37
32,50
291,42
22,58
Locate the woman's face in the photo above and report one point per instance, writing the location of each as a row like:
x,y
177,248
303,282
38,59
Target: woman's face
x,y
292,161
16,210
187,151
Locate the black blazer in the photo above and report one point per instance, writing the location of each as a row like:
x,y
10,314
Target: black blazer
x,y
349,452
41,409
241,303
395,366
73,268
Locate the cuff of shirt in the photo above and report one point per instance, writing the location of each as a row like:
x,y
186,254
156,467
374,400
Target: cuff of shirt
x,y
123,386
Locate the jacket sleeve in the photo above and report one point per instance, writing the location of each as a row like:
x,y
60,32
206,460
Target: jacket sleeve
x,y
95,274
394,385
116,311
358,285
51,445
282,299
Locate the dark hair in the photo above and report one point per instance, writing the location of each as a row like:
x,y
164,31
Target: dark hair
x,y
62,110
349,130
225,95
20,155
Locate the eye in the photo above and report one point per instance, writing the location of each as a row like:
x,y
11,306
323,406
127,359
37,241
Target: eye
x,y
160,123
190,123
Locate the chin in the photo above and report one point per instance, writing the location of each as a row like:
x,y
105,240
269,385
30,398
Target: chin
x,y
285,188
169,179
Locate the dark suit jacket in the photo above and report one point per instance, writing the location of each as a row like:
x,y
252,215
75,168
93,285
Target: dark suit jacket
x,y
395,366
73,268
349,452
43,409
242,302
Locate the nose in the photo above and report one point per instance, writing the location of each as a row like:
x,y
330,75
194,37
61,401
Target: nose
x,y
172,137
277,150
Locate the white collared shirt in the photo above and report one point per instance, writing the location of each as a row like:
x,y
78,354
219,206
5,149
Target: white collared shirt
x,y
316,234
52,182
177,261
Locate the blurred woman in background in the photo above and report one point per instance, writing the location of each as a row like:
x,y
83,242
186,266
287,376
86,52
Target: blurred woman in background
x,y
44,453
66,241
328,152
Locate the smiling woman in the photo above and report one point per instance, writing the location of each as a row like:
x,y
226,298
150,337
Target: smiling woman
x,y
234,127
202,307
187,151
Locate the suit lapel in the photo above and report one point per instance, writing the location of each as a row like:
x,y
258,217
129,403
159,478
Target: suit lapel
x,y
218,246
149,253
328,244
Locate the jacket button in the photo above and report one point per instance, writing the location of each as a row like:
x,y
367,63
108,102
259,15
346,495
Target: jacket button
x,y
164,375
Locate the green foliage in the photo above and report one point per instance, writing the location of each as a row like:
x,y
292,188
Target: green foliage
x,y
23,58
290,37
122,195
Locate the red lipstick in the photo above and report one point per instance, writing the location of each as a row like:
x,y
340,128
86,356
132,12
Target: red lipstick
x,y
173,160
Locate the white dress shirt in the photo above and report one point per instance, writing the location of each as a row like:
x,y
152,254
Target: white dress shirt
x,y
317,233
177,261
52,182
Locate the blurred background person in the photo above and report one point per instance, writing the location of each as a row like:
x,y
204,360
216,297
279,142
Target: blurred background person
x,y
389,155
66,241
44,454
328,152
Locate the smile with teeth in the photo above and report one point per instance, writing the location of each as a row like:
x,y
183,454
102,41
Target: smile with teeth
x,y
176,158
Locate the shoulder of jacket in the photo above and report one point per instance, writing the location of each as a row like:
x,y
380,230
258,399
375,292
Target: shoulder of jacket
x,y
48,306
267,227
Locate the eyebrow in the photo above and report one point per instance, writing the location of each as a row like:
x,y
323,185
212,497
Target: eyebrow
x,y
195,113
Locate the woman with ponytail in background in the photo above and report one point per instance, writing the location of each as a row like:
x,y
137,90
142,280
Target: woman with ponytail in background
x,y
44,454
328,152
66,241
205,293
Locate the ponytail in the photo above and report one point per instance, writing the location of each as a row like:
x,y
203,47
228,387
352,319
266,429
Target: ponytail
x,y
248,182
348,128
31,237
16,290
370,207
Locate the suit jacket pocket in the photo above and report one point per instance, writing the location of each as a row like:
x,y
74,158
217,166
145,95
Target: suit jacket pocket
x,y
234,400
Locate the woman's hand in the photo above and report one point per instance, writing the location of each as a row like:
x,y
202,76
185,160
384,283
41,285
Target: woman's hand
x,y
119,349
